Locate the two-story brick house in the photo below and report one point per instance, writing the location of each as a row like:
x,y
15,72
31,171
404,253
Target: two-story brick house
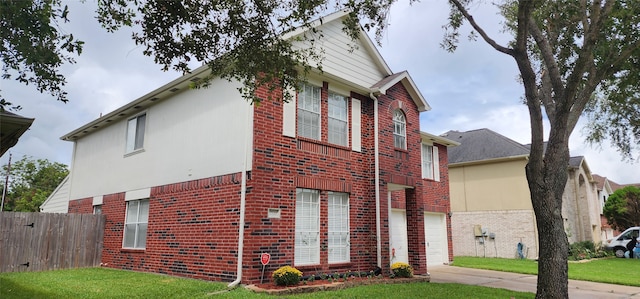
x,y
198,183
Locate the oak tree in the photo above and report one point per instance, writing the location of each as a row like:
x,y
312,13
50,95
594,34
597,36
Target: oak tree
x,y
571,55
33,48
622,208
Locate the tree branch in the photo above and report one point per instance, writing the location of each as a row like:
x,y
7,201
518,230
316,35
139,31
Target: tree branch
x,y
550,63
479,29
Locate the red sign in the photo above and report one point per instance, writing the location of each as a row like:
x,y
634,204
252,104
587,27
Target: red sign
x,y
264,258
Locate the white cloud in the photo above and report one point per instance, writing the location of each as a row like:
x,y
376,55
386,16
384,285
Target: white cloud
x,y
475,87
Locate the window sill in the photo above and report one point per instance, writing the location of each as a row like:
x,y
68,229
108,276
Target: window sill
x,y
340,265
323,148
134,152
133,250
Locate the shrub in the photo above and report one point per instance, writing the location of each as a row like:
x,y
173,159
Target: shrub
x,y
400,269
585,250
286,276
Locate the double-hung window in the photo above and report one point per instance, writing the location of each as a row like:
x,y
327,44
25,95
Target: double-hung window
x,y
399,129
427,161
135,226
309,112
338,129
338,227
430,165
307,235
135,133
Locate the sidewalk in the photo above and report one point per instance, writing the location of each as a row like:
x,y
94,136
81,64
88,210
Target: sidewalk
x,y
527,283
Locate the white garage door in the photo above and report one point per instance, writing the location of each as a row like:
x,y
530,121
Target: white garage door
x,y
435,233
399,242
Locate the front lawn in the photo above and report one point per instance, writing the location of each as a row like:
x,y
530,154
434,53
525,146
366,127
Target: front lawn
x,y
111,283
607,270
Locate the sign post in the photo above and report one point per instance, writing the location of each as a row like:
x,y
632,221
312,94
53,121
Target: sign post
x,y
264,259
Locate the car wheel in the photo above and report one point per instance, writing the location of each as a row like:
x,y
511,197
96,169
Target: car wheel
x,y
619,251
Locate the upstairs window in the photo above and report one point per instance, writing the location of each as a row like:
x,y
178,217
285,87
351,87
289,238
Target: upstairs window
x,y
309,112
135,225
399,130
427,161
430,165
135,133
338,129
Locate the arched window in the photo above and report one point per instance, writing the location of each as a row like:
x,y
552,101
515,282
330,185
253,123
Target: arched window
x,y
399,129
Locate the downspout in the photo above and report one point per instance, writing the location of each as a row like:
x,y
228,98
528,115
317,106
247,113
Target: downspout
x,y
377,178
243,197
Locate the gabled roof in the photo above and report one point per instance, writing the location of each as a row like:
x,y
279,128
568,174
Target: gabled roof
x,y
408,83
483,145
183,83
12,126
426,137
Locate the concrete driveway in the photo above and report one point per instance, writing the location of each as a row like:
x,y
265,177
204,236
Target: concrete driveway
x,y
527,283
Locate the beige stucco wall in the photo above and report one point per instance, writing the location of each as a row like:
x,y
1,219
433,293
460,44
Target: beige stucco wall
x,y
487,187
509,227
581,209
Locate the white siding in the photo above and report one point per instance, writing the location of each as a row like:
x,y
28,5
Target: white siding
x,y
196,134
357,66
58,201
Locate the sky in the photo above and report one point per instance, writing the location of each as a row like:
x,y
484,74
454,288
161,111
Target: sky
x,y
475,87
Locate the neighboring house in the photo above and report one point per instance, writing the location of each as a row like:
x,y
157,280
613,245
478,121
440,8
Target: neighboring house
x,y
604,187
58,200
491,202
198,183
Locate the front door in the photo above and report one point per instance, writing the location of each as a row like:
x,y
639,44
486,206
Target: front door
x,y
399,241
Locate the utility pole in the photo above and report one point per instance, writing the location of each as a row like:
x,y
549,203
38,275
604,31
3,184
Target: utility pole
x,y
6,184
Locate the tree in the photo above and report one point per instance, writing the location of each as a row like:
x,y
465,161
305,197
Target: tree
x,y
571,55
31,183
622,208
33,49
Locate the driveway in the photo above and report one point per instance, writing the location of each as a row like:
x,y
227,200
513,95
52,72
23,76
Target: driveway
x,y
527,283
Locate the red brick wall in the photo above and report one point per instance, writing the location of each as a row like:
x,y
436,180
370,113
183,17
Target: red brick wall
x,y
193,226
192,230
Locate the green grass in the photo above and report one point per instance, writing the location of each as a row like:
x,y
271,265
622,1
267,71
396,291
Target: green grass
x,y
606,270
111,283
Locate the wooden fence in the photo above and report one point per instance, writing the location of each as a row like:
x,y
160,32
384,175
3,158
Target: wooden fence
x,y
43,241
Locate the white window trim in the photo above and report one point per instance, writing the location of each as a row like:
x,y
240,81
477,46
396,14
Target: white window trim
x,y
318,113
298,261
435,165
343,231
346,120
403,132
137,223
129,151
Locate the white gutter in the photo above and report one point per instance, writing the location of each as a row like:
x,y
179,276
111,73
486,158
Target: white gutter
x,y
377,178
243,197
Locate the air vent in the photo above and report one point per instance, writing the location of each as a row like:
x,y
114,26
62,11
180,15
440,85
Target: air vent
x,y
153,99
137,107
174,89
195,79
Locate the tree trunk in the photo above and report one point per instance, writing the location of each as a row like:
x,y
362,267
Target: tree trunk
x,y
547,178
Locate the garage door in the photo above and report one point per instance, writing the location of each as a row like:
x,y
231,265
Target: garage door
x,y
435,232
399,243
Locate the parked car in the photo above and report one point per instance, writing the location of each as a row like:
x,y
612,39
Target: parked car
x,y
618,243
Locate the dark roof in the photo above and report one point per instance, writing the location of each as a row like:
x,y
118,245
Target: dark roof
x,y
574,162
12,126
482,144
